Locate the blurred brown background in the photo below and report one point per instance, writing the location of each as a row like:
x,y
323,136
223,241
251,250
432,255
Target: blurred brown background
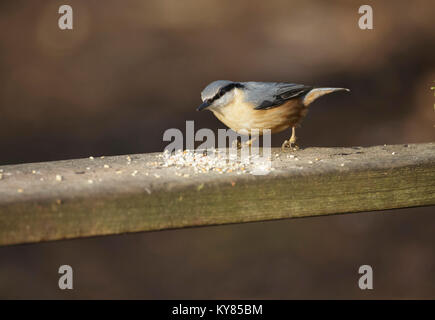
x,y
132,69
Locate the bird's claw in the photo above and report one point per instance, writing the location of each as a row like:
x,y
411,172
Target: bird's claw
x,y
289,145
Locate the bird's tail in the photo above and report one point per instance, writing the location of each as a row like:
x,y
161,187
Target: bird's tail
x,y
318,92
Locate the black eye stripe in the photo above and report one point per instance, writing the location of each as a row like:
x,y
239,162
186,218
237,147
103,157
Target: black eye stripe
x,y
225,89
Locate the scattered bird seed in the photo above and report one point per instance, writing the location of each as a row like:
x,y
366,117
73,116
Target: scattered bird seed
x,y
20,190
91,157
393,153
211,160
90,181
59,177
33,171
1,176
106,166
342,165
134,173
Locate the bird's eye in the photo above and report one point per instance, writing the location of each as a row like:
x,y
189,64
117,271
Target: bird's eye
x,y
221,93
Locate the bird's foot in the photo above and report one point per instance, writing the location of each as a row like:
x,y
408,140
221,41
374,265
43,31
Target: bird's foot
x,y
237,144
289,145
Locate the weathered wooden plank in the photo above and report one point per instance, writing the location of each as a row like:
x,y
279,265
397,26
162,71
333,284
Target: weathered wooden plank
x,y
112,195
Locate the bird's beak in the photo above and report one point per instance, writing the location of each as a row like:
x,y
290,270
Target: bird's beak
x,y
204,105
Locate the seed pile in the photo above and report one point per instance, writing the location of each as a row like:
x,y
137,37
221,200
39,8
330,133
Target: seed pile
x,y
213,160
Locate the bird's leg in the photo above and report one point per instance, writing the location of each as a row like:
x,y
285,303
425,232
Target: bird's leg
x,y
291,143
250,141
236,144
293,139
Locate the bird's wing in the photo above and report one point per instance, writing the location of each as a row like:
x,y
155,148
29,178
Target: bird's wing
x,y
266,95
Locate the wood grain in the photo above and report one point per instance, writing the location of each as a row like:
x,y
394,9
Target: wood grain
x,y
113,195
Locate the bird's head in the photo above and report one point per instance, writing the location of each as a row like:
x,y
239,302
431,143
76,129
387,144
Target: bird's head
x,y
218,94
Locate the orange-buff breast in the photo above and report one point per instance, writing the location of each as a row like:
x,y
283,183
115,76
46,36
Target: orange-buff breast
x,y
242,117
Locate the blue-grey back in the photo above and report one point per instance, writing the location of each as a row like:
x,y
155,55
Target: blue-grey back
x,y
265,95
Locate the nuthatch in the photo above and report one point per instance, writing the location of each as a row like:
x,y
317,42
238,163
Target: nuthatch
x,y
244,106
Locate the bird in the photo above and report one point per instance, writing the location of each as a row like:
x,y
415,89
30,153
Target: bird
x,y
245,106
